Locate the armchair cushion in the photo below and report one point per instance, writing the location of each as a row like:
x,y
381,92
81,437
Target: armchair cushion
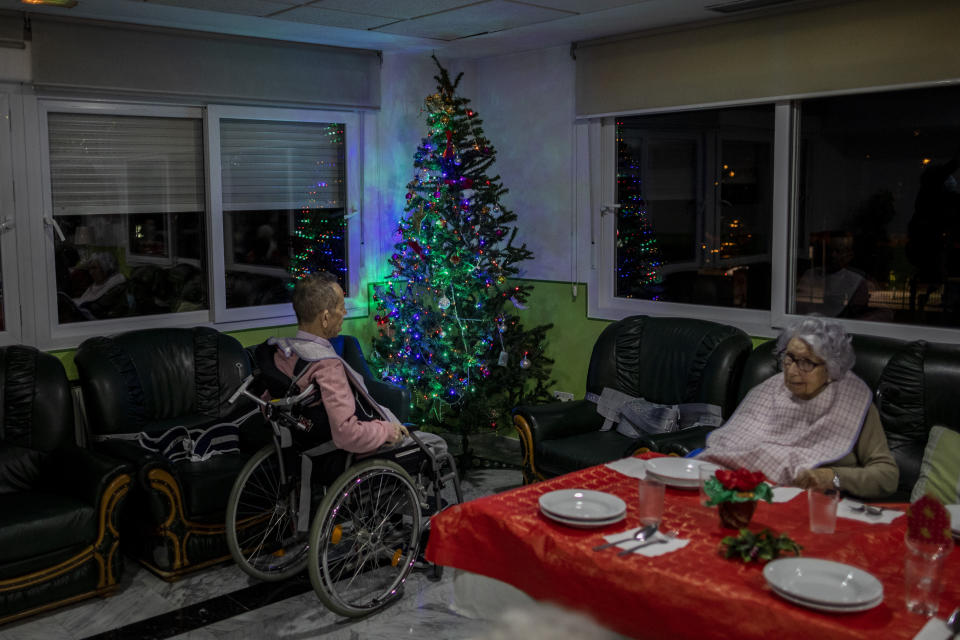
x,y
36,523
940,468
19,468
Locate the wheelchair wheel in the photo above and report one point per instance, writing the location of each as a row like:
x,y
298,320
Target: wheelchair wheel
x,y
262,519
364,538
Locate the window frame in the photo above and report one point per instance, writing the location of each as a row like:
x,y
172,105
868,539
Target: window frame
x,y
597,164
356,302
10,175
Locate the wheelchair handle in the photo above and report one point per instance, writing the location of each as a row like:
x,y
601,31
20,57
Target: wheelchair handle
x,y
242,390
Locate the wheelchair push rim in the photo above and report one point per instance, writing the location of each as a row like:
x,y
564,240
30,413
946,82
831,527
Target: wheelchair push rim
x,y
365,538
262,517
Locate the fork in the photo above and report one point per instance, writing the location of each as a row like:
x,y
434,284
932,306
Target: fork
x,y
667,537
642,534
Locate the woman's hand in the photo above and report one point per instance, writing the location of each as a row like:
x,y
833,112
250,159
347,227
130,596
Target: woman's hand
x,y
815,479
399,433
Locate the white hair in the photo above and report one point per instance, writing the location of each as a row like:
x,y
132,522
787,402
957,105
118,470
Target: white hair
x,y
826,338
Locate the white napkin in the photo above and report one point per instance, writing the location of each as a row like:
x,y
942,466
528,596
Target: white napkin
x,y
651,550
786,494
630,467
935,629
844,511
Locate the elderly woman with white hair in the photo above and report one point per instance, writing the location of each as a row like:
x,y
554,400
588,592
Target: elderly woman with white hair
x,y
814,426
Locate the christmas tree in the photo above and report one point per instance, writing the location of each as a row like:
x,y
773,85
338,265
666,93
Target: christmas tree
x,y
638,257
447,317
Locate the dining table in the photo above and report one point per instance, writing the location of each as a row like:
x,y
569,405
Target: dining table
x,y
692,592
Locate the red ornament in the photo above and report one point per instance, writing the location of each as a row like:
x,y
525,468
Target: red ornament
x,y
448,152
928,521
413,244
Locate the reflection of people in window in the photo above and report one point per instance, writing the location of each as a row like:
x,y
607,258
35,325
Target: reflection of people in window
x,y
934,230
106,296
264,247
834,288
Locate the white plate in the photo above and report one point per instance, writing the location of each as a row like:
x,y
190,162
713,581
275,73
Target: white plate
x,y
680,473
583,524
582,504
954,511
823,582
826,607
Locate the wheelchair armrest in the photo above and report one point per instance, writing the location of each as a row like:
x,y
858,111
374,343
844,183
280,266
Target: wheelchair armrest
x,y
559,419
681,442
392,396
81,473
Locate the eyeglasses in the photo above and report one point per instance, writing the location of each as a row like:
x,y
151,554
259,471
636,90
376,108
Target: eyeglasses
x,y
803,364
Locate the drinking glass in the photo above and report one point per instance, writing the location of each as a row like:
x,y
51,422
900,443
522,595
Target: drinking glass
x,y
651,501
706,472
823,509
923,575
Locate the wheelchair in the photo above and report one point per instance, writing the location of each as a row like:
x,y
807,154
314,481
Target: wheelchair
x,y
360,534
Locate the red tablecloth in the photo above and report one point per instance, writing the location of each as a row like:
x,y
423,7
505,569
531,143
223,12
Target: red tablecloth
x,y
691,593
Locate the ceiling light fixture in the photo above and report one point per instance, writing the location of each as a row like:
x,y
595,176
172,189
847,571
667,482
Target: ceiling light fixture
x,y
66,4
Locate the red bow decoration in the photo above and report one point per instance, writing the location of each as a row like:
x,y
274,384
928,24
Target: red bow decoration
x,y
448,152
413,244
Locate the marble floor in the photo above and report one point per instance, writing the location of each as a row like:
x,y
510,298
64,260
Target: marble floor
x,y
224,603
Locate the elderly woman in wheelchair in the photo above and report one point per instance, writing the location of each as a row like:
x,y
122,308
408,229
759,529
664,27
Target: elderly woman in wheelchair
x,y
343,487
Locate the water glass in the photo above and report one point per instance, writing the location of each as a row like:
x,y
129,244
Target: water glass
x,y
651,501
706,472
823,509
923,575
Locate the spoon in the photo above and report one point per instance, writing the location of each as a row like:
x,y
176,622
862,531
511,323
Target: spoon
x,y
869,509
953,623
667,537
642,534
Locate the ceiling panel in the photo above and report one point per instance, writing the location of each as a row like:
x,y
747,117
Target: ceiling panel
x,y
584,6
399,9
243,7
485,17
331,18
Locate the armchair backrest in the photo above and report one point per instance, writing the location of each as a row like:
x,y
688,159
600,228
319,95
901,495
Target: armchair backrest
x,y
152,375
37,408
915,387
670,360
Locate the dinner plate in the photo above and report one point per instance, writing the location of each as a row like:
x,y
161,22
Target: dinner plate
x,y
954,511
583,524
819,606
582,504
822,582
680,473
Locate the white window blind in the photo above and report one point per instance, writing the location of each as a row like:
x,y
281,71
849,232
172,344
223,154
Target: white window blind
x,y
282,165
105,164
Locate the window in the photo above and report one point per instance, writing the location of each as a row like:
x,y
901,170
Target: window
x,y
846,206
878,212
127,197
282,184
695,194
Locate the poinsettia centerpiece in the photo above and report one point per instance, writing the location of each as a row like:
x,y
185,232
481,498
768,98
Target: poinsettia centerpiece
x,y
735,494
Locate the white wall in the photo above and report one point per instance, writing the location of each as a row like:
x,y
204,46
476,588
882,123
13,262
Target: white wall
x,y
15,64
526,103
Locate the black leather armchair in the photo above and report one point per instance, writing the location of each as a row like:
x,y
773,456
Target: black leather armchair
x,y
664,360
149,381
59,503
915,387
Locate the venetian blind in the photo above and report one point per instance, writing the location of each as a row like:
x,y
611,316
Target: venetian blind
x,y
282,165
104,164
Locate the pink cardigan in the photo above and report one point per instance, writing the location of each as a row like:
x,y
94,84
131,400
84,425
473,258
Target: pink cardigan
x,y
348,431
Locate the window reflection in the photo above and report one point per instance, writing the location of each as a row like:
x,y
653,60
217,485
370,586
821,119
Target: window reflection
x,y
879,208
695,195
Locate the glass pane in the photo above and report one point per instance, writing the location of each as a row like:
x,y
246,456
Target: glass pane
x,y
284,188
127,194
695,193
878,229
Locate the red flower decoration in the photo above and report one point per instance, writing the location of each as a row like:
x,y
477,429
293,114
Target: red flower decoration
x,y
740,480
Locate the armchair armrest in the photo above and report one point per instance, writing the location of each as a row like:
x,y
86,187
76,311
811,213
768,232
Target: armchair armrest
x,y
81,473
682,442
392,396
559,419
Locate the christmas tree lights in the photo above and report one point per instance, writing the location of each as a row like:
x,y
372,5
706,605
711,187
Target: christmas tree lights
x,y
448,327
